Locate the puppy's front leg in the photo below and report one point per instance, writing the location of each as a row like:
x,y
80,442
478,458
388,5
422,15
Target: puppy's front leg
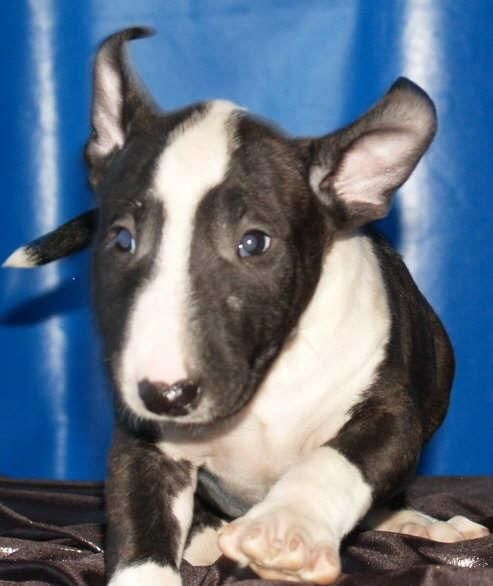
x,y
149,512
295,532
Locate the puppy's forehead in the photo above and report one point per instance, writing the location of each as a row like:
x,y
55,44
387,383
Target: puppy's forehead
x,y
196,156
194,159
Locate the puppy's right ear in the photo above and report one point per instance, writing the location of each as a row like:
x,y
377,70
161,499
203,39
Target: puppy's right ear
x,y
119,101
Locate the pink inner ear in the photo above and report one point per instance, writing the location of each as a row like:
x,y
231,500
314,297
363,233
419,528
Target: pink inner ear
x,y
107,107
374,165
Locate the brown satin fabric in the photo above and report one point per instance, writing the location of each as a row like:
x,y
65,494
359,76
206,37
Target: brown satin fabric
x,y
52,533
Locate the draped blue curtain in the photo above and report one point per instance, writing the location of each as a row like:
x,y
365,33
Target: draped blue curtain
x,y
311,66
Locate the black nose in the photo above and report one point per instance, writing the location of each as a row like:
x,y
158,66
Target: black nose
x,y
164,399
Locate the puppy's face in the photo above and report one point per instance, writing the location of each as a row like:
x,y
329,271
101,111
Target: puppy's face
x,y
210,245
211,232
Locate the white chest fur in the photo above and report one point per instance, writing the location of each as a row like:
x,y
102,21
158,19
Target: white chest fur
x,y
322,372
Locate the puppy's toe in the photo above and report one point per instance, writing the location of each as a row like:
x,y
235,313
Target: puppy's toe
x,y
292,555
467,528
415,529
257,543
443,531
230,540
324,566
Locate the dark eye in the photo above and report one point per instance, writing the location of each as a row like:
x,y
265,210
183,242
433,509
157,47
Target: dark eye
x,y
254,243
122,239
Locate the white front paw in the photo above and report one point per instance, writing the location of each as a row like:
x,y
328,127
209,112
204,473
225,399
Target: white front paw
x,y
145,574
410,522
283,543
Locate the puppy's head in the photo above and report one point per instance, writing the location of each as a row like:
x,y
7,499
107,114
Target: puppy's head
x,y
212,227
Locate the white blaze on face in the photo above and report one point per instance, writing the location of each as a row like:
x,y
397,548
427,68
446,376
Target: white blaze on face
x,y
194,160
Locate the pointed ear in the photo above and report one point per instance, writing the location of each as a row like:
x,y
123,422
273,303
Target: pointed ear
x,y
119,100
356,170
65,240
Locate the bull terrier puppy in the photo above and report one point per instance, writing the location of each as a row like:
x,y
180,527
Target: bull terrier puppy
x,y
276,369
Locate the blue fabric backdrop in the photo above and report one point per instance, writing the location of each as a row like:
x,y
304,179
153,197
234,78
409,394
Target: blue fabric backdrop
x,y
311,66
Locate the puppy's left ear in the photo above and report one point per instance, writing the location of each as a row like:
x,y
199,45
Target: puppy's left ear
x,y
355,171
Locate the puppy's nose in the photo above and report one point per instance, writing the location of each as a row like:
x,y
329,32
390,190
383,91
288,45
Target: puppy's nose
x,y
164,399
